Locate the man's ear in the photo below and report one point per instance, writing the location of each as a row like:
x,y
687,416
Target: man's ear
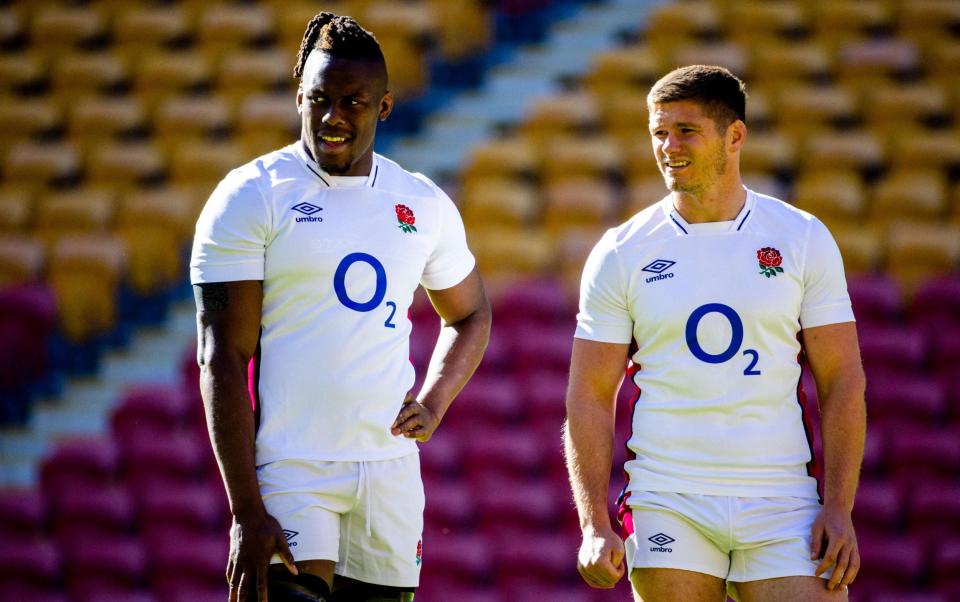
x,y
299,100
736,135
386,105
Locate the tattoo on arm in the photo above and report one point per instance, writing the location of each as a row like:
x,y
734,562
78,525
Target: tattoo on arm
x,y
210,296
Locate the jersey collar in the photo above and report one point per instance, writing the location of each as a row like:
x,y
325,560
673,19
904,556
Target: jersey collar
x,y
735,225
334,181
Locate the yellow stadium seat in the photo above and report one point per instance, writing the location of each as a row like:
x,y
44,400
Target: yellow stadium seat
x,y
184,117
11,26
920,251
507,254
638,159
626,118
22,259
124,164
415,20
831,194
83,211
22,69
161,74
200,163
153,255
566,113
56,28
455,18
624,70
95,120
925,149
592,156
87,73
943,62
40,163
171,209
769,152
406,64
292,19
844,20
245,72
856,149
84,272
641,193
225,27
860,247
749,20
572,247
16,210
141,27
674,24
578,202
500,201
514,156
730,54
866,63
821,107
263,113
25,117
926,18
789,62
910,194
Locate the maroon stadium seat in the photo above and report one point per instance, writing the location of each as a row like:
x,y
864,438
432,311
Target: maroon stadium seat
x,y
506,451
945,566
490,399
933,510
532,589
876,299
945,353
910,597
543,302
27,320
86,514
875,451
891,563
450,505
879,507
78,464
104,563
146,411
23,514
937,302
519,504
906,398
178,459
28,566
892,348
540,347
545,392
197,565
464,556
916,454
188,510
436,587
440,457
539,556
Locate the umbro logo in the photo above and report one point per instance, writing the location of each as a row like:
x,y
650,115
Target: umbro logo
x,y
290,535
307,210
661,541
658,267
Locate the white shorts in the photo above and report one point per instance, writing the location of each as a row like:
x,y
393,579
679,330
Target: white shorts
x,y
734,538
365,516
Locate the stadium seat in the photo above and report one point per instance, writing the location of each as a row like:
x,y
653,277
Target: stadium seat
x,y
504,257
84,272
831,194
888,563
23,514
500,202
876,299
124,164
186,511
570,113
578,202
895,108
619,71
76,465
880,507
544,558
204,162
177,460
893,349
929,453
540,301
142,27
147,411
181,117
84,74
84,514
33,163
933,511
55,29
22,259
902,399
440,457
504,451
855,150
730,54
195,567
848,19
30,569
626,119
755,19
27,325
513,157
535,348
454,18
925,150
642,193
909,194
875,452
245,72
866,62
25,118
823,108
919,251
488,400
93,121
75,212
923,18
768,152
161,74
465,556
226,27
103,563
945,569
580,156
450,504
937,302
674,24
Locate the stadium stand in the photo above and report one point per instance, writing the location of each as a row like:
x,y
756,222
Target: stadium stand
x,y
117,118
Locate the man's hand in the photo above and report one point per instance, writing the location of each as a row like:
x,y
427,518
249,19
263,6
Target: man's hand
x,y
600,560
415,420
252,543
835,544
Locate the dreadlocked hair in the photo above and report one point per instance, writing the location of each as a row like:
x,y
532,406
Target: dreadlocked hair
x,y
339,36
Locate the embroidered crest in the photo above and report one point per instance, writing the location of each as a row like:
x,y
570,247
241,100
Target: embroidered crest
x,y
406,218
770,260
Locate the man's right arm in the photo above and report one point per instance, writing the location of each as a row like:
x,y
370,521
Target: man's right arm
x,y
596,370
228,330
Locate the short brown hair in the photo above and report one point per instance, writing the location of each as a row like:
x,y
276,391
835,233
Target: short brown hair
x,y
721,93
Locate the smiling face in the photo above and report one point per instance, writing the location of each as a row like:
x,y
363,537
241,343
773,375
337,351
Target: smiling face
x,y
691,152
340,101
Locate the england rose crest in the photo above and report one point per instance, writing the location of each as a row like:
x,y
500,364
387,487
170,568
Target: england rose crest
x,y
770,260
406,218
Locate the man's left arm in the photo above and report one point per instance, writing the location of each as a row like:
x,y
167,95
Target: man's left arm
x,y
465,312
834,356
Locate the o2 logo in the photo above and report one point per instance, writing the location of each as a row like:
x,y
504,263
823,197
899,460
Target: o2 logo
x,y
340,287
736,338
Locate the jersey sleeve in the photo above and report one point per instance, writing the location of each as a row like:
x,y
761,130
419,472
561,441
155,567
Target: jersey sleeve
x,y
451,260
825,297
231,234
604,315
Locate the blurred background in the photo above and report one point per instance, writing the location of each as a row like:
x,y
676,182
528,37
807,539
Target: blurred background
x,y
118,117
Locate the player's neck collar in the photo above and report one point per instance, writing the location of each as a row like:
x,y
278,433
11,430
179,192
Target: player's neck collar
x,y
737,224
331,181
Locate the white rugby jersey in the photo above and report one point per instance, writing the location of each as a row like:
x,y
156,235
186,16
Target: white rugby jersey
x,y
339,265
715,342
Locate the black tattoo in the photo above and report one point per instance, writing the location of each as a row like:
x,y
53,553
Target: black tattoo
x,y
211,296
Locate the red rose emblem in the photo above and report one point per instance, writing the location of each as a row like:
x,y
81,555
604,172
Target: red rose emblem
x,y
405,215
770,260
769,257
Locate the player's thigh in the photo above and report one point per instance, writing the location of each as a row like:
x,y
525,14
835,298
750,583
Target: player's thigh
x,y
809,589
669,585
